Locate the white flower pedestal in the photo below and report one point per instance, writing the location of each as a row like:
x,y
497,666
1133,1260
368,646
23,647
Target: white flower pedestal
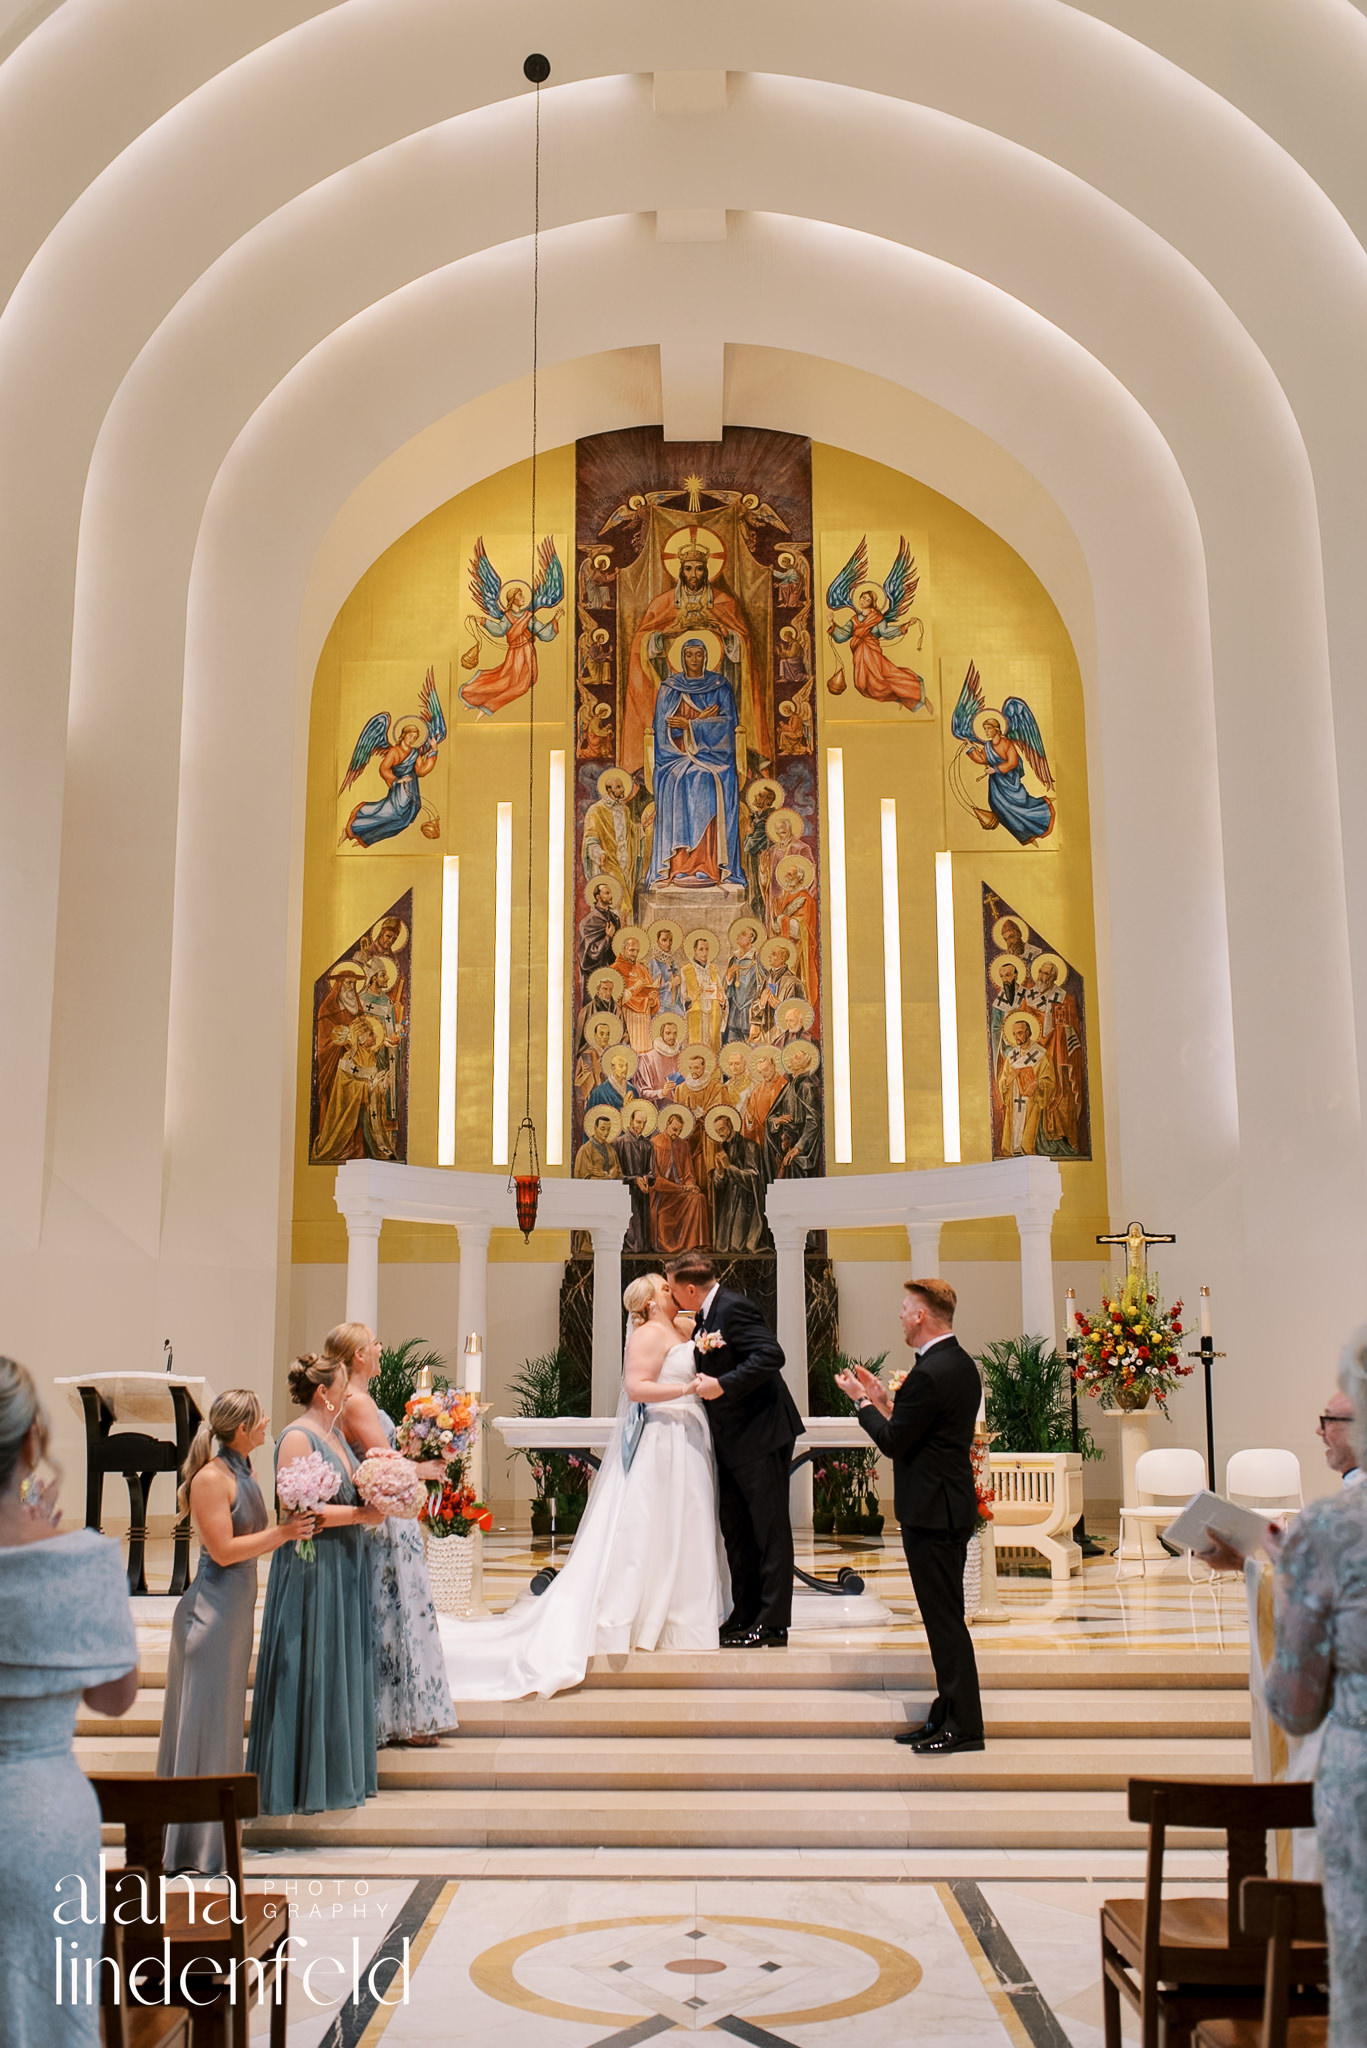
x,y
451,1570
973,1577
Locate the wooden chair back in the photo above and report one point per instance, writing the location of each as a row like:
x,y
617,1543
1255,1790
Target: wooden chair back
x,y
1245,1814
145,1807
1279,1912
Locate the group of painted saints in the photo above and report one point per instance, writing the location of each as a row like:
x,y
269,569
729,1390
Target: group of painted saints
x,y
1039,1055
360,1033
695,1072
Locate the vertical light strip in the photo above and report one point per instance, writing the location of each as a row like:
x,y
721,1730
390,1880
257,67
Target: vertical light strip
x,y
949,1006
892,988
503,978
555,963
446,1058
840,957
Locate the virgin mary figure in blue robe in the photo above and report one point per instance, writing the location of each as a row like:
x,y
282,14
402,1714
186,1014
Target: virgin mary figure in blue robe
x,y
697,790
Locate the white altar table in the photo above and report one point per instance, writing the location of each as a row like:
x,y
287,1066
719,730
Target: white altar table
x,y
830,1603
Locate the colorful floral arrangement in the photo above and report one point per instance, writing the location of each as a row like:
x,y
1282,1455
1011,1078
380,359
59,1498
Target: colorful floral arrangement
x,y
980,1453
441,1425
303,1485
386,1480
452,1510
1129,1351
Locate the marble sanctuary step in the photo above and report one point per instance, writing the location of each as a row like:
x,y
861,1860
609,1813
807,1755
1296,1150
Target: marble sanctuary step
x,y
827,1715
1084,1687
945,1819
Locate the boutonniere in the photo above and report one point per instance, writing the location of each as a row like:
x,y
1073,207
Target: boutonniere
x,y
708,1340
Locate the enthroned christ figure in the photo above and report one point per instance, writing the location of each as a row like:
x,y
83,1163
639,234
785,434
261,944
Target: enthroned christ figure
x,y
697,791
694,602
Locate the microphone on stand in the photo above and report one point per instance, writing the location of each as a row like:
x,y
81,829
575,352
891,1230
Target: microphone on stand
x,y
170,1354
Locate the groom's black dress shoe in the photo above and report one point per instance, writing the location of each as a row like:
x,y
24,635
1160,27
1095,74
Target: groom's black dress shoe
x,y
920,1734
945,1743
760,1639
732,1636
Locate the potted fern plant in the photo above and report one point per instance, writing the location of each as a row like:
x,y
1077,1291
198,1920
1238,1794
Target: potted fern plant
x,y
557,1383
845,1484
400,1364
1029,1398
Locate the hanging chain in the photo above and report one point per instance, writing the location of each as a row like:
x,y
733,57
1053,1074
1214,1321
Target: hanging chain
x,y
531,590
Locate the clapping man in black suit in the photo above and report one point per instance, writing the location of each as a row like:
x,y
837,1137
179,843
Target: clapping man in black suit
x,y
927,1430
755,1423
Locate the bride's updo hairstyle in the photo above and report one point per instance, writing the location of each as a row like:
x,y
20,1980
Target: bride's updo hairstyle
x,y
639,1298
309,1373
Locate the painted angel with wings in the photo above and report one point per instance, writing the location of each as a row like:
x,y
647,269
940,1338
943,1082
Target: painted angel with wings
x,y
1002,743
508,614
879,613
406,751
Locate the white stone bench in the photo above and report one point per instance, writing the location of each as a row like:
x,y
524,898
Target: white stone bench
x,y
1038,1502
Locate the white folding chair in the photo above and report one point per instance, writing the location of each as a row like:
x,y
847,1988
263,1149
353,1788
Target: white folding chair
x,y
1164,1481
1267,1480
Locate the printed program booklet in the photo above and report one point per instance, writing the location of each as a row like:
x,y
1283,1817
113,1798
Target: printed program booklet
x,y
1244,1528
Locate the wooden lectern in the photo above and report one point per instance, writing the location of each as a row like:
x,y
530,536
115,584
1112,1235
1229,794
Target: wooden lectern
x,y
104,1398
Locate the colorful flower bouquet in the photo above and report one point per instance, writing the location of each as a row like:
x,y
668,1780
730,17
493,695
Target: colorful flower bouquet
x,y
303,1485
387,1480
441,1425
1130,1350
452,1510
980,1453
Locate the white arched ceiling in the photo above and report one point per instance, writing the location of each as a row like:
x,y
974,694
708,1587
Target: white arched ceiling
x,y
1132,284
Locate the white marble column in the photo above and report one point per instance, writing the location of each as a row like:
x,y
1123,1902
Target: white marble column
x,y
924,1240
1037,1277
790,1243
472,1316
363,1269
607,1317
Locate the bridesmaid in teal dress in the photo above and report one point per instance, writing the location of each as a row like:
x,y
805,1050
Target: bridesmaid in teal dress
x,y
312,1738
211,1634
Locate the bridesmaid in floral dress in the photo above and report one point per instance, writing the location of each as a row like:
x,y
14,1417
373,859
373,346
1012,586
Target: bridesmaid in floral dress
x,y
412,1694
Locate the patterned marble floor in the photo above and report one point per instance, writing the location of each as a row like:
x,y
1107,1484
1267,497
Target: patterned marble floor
x,y
540,1962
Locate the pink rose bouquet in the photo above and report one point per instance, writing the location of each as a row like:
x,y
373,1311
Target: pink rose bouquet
x,y
303,1485
386,1480
708,1340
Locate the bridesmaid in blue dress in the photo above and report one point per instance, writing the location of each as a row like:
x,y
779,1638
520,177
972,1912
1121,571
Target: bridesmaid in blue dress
x,y
66,1635
412,1692
211,1634
312,1737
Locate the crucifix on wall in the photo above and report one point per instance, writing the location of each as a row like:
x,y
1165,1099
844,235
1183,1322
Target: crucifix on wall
x,y
1136,1241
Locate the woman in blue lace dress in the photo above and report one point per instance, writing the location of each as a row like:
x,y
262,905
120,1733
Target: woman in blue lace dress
x,y
66,1634
1320,1675
412,1694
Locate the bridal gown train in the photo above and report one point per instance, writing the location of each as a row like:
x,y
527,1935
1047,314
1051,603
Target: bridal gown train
x,y
646,1570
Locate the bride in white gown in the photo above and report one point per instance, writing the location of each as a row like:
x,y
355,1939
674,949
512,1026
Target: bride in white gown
x,y
646,1570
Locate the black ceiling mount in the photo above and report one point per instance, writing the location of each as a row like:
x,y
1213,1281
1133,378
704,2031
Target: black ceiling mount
x,y
537,68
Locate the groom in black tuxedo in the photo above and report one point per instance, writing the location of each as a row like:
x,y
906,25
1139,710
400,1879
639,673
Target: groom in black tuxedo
x,y
755,1424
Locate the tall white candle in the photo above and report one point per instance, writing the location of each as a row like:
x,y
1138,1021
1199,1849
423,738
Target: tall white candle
x,y
474,1363
1205,1311
1071,1322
